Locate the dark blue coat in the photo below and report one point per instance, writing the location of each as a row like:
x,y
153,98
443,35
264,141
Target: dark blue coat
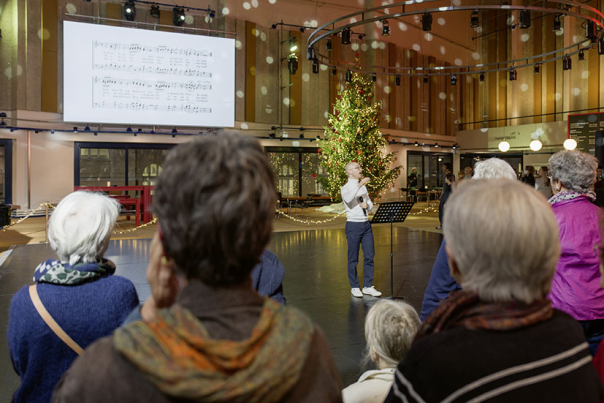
x,y
440,285
268,275
86,312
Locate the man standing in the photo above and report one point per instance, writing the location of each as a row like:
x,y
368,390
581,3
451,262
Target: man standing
x,y
358,230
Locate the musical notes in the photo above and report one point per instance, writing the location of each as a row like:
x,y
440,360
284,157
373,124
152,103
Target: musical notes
x,y
135,48
140,106
150,84
171,71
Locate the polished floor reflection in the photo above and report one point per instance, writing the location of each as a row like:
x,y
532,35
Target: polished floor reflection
x,y
315,281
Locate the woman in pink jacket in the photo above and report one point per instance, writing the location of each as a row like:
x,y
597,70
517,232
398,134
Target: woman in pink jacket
x,y
576,285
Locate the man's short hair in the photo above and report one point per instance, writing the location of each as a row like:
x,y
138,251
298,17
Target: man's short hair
x,y
349,165
215,201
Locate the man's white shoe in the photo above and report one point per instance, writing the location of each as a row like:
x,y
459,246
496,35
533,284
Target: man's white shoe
x,y
371,291
357,293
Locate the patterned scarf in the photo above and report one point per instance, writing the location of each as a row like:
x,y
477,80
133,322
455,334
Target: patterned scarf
x,y
54,272
570,194
177,355
465,309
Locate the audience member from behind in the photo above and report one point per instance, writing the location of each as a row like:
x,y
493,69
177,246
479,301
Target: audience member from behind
x,y
78,291
441,283
528,175
447,190
389,329
499,339
542,182
215,340
576,286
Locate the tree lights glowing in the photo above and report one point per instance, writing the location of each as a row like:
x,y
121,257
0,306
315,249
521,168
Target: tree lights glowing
x,y
354,135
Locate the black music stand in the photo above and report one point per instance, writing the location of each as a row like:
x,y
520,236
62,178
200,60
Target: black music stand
x,y
390,213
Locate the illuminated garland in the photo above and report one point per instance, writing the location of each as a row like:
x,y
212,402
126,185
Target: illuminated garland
x,y
45,204
153,221
309,221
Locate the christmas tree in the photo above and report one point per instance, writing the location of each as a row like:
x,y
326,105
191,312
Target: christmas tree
x,y
354,135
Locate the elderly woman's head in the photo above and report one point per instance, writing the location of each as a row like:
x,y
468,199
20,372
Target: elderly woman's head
x,y
573,170
215,201
493,168
80,227
389,330
496,249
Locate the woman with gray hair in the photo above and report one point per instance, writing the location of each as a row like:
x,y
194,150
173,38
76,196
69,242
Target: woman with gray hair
x,y
499,339
389,330
576,286
75,300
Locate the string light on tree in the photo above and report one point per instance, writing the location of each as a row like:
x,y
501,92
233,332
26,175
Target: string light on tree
x,y
354,134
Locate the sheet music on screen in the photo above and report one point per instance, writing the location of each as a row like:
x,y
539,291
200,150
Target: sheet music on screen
x,y
137,76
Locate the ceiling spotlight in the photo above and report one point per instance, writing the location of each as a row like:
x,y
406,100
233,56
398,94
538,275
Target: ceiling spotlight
x,y
302,29
174,131
481,76
292,43
315,66
273,26
129,10
416,144
154,11
310,53
537,69
385,28
557,23
129,129
427,22
328,45
334,72
474,19
292,64
348,76
3,123
374,77
453,79
346,36
212,13
397,80
591,31
361,37
302,136
567,63
178,17
271,135
87,128
581,55
513,75
504,146
536,145
435,145
570,144
525,19
426,79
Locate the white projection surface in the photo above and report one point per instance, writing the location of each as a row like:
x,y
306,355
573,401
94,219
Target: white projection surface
x,y
135,76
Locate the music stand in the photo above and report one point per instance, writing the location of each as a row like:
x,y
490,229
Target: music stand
x,y
390,213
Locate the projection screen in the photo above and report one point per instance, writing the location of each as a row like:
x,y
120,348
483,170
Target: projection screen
x,y
135,76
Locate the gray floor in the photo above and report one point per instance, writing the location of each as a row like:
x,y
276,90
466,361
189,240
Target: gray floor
x,y
315,281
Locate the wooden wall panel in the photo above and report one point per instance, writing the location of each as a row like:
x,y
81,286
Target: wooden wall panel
x,y
549,76
449,91
502,76
414,99
114,11
405,112
50,48
250,72
395,94
238,26
432,100
334,81
594,71
537,81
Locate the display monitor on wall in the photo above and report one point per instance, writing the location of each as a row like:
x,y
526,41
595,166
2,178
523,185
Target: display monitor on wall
x,y
136,76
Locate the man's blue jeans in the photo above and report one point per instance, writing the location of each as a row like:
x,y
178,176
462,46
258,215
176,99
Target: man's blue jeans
x,y
360,233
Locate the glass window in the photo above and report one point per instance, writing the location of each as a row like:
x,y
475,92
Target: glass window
x,y
297,170
118,164
426,170
103,167
144,166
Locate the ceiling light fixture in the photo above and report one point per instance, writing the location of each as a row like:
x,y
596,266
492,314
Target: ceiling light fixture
x,y
474,19
427,22
129,10
525,19
346,36
178,17
385,28
154,12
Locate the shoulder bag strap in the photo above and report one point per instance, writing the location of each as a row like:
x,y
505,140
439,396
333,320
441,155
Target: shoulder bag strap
x,y
54,326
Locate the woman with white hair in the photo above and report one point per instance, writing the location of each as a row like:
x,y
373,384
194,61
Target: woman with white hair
x,y
576,286
499,339
389,329
74,301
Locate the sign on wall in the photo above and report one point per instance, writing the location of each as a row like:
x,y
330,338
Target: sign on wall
x,y
583,129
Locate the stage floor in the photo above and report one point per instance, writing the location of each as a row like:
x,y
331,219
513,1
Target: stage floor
x,y
315,281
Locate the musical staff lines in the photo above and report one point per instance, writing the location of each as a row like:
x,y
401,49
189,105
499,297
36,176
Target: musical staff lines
x,y
150,84
141,106
135,47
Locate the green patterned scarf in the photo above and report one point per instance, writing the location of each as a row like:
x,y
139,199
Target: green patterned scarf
x,y
54,272
177,355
